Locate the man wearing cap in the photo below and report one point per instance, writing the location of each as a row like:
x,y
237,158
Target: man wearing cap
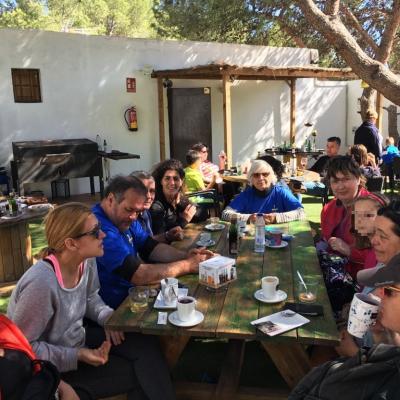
x,y
372,373
368,135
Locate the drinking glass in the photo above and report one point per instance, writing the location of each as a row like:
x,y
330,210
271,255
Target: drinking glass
x,y
138,298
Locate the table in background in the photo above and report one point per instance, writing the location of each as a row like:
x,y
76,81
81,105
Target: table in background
x,y
15,245
228,313
115,155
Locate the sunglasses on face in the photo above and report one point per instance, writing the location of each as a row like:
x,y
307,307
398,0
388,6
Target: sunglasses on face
x,y
260,174
95,232
388,291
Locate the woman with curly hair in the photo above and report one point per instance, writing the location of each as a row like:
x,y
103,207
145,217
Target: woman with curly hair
x,y
170,208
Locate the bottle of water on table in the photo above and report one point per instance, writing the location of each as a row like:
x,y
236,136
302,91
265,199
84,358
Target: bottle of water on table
x,y
259,240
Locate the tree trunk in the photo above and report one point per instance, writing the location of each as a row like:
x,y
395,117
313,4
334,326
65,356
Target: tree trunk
x,y
368,69
367,101
392,122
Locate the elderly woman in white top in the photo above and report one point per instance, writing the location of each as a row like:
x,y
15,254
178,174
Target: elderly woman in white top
x,y
276,202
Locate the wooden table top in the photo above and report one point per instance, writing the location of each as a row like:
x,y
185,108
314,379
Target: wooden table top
x,y
228,312
235,178
26,215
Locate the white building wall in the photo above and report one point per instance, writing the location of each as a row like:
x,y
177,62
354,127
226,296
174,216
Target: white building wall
x,y
83,91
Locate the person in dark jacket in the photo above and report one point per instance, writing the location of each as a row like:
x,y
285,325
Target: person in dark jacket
x,y
321,165
368,135
373,373
170,208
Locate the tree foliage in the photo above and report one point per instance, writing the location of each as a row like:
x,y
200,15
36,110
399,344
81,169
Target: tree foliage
x,y
361,34
107,17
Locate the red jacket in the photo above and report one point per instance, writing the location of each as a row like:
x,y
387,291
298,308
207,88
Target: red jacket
x,y
336,222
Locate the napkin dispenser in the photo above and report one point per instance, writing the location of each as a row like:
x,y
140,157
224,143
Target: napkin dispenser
x,y
217,272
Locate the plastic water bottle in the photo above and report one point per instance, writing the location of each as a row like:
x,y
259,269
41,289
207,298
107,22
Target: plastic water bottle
x,y
259,240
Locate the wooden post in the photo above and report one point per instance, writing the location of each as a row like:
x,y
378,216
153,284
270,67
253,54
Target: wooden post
x,y
161,127
379,108
226,89
292,111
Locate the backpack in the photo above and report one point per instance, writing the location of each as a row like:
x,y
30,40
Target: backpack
x,y
373,374
22,376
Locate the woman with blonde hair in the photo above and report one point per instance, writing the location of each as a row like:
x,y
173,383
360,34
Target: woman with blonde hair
x,y
54,296
276,202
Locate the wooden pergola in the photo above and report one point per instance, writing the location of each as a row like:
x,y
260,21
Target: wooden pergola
x,y
228,74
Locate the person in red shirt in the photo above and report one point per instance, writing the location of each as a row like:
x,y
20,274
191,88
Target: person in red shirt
x,y
347,184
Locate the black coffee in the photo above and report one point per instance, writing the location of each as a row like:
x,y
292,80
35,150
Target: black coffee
x,y
185,301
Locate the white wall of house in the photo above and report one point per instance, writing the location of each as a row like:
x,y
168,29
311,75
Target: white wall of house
x,y
83,92
354,120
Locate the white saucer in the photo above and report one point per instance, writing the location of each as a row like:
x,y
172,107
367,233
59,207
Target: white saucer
x,y
173,318
281,246
280,296
206,244
160,305
215,227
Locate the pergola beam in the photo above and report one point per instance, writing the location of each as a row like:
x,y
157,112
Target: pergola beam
x,y
227,110
260,73
228,73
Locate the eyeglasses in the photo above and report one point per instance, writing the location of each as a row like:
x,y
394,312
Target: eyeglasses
x,y
388,290
260,174
95,232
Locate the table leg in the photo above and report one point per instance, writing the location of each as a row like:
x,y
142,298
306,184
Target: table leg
x,y
172,348
290,359
228,382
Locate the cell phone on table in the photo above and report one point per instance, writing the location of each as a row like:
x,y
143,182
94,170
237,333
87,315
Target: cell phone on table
x,y
312,310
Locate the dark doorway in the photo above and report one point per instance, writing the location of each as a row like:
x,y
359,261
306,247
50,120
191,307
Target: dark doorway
x,y
189,114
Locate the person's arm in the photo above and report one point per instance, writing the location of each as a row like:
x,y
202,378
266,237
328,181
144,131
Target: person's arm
x,y
142,273
294,215
33,313
157,212
229,211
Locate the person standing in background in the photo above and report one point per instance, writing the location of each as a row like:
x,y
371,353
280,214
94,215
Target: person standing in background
x,y
368,135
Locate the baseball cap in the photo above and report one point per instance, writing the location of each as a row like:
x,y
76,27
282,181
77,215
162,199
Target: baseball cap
x,y
381,276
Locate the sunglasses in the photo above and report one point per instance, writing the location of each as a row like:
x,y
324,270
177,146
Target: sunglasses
x,y
95,232
260,174
388,290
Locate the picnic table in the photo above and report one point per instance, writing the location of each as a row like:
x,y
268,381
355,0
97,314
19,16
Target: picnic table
x,y
228,313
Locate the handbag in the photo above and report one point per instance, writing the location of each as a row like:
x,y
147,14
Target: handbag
x,y
339,284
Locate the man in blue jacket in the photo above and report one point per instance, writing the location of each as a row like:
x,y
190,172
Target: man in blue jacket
x,y
368,135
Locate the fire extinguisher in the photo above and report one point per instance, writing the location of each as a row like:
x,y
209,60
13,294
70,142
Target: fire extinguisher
x,y
131,119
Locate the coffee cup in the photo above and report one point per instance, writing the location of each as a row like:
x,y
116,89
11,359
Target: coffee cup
x,y
169,290
275,237
362,314
205,237
269,285
186,308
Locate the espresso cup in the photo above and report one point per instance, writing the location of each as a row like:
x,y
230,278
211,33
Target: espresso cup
x,y
362,314
205,237
169,290
269,285
186,308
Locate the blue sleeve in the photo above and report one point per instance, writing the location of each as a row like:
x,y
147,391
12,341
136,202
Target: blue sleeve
x,y
139,234
115,250
289,200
